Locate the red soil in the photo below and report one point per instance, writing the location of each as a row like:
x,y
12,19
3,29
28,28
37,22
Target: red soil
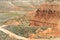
x,y
47,15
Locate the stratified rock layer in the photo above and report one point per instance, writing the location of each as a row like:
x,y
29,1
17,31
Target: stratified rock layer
x,y
46,15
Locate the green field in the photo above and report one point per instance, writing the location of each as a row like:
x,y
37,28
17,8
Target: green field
x,y
21,30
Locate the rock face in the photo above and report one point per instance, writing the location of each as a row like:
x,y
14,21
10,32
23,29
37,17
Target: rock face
x,y
46,15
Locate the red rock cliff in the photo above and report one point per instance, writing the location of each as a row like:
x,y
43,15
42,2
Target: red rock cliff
x,y
46,15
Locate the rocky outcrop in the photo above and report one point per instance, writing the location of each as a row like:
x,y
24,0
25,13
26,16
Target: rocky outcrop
x,y
46,15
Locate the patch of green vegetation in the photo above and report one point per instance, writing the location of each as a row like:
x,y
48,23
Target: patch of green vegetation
x,y
12,14
24,31
4,36
21,30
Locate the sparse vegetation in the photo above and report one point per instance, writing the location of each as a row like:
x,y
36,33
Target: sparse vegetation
x,y
8,16
18,23
33,32
22,30
4,36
